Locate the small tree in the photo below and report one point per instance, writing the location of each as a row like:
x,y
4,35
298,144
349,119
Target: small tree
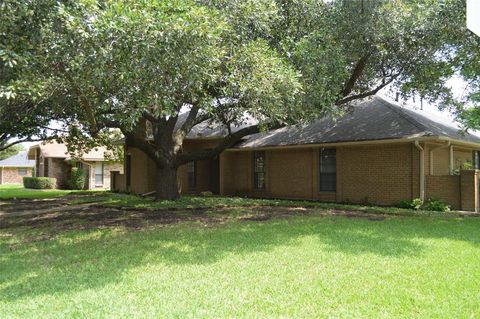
x,y
77,178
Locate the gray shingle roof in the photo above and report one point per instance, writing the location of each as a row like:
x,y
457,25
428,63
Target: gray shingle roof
x,y
19,160
373,119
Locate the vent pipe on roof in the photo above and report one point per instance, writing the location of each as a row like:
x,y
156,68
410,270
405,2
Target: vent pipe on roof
x,y
422,170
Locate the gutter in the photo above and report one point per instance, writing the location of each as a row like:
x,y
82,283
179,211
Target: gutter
x,y
422,169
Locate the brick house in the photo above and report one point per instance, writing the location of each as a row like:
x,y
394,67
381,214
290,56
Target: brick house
x,y
380,153
52,160
14,168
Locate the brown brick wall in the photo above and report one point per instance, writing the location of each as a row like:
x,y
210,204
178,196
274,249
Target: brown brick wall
x,y
144,172
235,175
446,188
58,168
10,175
289,173
375,174
441,158
381,174
469,190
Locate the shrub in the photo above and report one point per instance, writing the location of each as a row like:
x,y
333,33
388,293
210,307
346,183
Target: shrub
x,y
436,205
77,178
416,204
431,204
39,182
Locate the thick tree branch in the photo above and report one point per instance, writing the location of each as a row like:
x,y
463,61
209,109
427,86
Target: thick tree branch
x,y
143,145
83,101
227,142
367,93
356,73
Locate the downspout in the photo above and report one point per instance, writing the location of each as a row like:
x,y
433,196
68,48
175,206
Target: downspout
x,y
450,162
422,169
431,154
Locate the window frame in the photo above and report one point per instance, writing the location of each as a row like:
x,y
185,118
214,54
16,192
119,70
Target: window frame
x,y
103,174
192,175
25,169
258,173
321,186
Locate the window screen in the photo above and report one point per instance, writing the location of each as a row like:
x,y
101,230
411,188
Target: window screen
x,y
259,170
99,173
328,170
192,174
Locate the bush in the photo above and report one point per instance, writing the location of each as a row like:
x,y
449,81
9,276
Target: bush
x,y
431,204
39,182
77,178
415,204
436,205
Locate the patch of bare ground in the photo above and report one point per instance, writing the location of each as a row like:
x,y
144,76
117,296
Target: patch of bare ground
x,y
59,215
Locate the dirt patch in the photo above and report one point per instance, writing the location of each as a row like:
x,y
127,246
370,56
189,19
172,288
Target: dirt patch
x,y
60,215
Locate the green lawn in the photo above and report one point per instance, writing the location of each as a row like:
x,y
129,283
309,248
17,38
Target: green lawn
x,y
305,266
17,191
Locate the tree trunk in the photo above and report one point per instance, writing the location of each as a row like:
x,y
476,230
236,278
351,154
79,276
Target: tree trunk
x,y
166,183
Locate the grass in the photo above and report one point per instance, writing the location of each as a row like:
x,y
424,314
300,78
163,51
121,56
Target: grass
x,y
305,266
18,192
302,267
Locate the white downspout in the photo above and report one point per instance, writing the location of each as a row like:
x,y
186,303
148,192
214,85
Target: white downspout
x,y
431,154
450,162
422,170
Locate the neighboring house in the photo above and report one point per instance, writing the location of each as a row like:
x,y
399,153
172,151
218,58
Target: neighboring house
x,y
380,153
52,160
14,168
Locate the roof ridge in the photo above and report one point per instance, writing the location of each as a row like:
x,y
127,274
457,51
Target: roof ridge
x,y
412,120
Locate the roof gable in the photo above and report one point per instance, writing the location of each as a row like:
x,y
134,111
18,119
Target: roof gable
x,y
58,150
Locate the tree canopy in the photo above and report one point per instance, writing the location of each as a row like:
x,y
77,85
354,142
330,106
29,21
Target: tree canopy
x,y
250,65
9,152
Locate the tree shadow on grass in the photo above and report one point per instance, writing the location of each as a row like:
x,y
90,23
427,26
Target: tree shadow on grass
x,y
92,259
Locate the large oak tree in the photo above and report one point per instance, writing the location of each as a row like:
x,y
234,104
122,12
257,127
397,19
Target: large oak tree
x,y
247,65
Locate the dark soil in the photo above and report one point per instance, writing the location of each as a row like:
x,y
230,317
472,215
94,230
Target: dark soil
x,y
58,214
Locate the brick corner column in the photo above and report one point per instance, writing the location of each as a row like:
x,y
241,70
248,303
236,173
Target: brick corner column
x,y
469,190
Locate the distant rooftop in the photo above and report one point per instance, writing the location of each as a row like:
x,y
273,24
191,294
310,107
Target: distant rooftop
x,y
57,150
19,160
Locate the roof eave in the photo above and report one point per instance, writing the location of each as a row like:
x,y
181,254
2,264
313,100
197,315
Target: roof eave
x,y
412,138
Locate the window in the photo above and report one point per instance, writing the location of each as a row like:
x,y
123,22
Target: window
x,y
22,171
476,159
328,170
79,165
99,174
259,170
128,171
192,174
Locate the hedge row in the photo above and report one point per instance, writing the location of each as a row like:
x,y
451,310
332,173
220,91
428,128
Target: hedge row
x,y
39,182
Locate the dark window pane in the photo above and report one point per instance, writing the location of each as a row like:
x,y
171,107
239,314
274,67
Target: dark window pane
x,y
328,170
259,169
192,174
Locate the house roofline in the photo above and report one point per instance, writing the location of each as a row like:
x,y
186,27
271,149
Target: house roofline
x,y
363,142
